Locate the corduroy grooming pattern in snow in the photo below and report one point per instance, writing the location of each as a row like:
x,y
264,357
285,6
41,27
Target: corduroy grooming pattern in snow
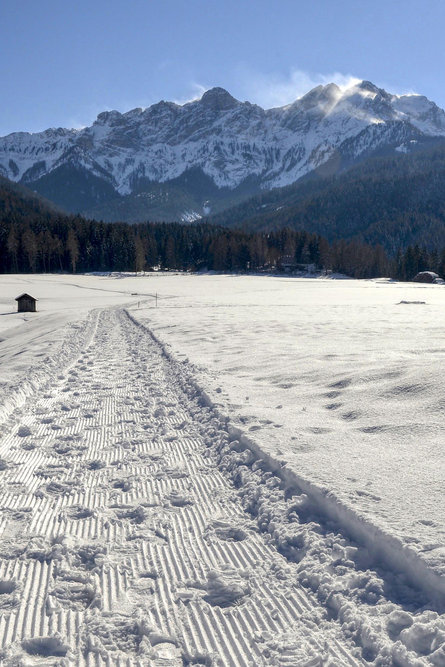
x,y
385,599
124,543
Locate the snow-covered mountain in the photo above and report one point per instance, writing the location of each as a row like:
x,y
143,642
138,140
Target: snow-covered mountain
x,y
182,161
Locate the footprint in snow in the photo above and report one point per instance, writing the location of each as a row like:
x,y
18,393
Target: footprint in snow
x,y
223,588
64,448
134,513
226,531
9,594
332,394
178,499
51,470
351,416
19,514
96,464
77,512
341,384
55,489
28,446
123,484
318,430
73,590
4,465
46,647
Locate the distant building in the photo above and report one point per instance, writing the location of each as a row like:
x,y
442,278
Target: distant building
x,y
288,264
26,303
428,277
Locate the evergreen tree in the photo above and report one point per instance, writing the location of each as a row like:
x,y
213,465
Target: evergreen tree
x,y
72,246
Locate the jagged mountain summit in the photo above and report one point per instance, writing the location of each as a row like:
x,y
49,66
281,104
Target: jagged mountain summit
x,y
173,161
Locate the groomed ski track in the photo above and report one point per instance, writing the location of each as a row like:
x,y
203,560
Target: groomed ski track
x,y
125,538
121,541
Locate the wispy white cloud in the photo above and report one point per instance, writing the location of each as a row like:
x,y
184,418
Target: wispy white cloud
x,y
76,124
196,91
271,90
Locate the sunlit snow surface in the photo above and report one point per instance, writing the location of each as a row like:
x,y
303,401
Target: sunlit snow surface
x,y
341,379
25,337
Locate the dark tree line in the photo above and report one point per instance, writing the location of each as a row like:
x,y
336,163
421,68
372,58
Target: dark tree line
x,y
36,238
77,245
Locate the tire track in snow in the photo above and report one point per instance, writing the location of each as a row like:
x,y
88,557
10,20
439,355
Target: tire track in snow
x,y
122,541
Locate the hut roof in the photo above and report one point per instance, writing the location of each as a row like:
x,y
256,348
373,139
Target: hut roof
x,y
25,296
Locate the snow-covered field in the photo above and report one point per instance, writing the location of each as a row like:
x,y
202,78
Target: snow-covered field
x,y
268,492
62,300
343,380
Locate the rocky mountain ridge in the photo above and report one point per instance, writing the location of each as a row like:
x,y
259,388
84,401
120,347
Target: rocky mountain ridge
x,y
173,161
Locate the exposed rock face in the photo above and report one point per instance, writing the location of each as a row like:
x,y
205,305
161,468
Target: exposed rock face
x,y
228,141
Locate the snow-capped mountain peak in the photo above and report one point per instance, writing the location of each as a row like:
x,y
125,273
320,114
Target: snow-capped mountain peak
x,y
228,141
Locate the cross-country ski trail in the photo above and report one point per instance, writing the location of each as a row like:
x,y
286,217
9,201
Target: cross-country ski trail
x,y
124,539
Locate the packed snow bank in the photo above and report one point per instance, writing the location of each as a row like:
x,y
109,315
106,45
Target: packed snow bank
x,y
337,381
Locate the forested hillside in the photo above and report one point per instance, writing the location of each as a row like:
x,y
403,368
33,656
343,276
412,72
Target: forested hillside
x,y
393,201
35,237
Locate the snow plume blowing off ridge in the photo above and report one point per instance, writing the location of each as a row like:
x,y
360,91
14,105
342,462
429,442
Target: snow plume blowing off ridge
x,y
230,142
276,90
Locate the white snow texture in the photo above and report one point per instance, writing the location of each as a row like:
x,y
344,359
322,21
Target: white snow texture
x,y
248,474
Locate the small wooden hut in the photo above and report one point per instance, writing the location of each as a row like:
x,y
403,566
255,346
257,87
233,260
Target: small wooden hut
x,y
26,303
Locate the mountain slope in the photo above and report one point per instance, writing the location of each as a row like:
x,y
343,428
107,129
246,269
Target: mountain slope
x,y
180,162
18,202
394,201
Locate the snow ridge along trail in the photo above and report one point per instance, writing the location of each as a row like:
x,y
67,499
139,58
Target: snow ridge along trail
x,y
121,541
135,531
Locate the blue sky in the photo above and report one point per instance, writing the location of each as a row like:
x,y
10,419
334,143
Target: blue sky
x,y
63,62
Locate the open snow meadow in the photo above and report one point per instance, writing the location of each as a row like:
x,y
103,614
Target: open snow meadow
x,y
222,470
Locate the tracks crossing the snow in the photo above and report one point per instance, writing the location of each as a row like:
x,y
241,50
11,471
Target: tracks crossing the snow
x,y
122,543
